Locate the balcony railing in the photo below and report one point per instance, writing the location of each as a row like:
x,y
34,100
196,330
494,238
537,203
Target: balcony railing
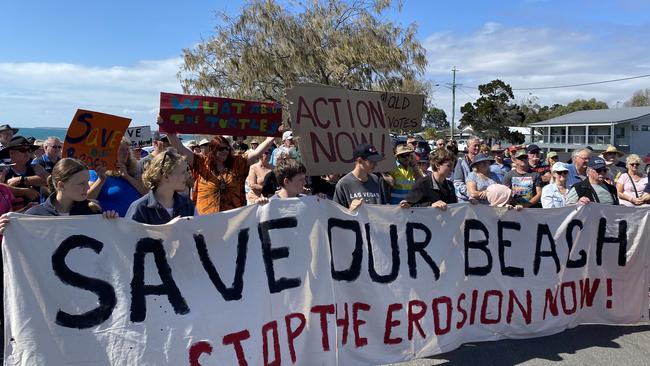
x,y
576,139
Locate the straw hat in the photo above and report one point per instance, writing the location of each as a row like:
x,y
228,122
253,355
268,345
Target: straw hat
x,y
613,149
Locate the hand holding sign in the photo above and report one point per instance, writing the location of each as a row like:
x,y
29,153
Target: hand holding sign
x,y
94,138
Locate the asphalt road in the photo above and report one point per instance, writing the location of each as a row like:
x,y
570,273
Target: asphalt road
x,y
584,345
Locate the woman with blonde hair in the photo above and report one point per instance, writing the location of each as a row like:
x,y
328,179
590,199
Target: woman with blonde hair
x,y
167,176
117,189
630,185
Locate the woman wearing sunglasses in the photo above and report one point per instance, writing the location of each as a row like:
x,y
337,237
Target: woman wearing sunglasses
x,y
167,176
554,195
221,173
630,185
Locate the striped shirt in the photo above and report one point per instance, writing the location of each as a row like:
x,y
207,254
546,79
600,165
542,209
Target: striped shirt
x,y
404,178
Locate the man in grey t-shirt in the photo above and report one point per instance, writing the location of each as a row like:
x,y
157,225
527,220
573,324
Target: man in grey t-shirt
x,y
595,188
360,185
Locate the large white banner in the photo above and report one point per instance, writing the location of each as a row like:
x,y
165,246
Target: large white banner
x,y
303,282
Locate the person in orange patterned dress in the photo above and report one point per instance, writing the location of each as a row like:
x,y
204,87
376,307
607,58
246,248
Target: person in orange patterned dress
x,y
221,173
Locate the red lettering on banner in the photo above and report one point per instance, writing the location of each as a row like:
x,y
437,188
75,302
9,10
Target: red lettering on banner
x,y
461,310
197,349
343,323
436,315
277,358
526,312
609,293
323,310
359,341
572,286
390,323
550,303
486,300
293,334
472,313
235,339
415,316
588,293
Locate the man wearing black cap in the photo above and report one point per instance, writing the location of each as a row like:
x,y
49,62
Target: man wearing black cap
x,y
526,186
6,134
360,185
24,179
160,143
595,188
536,164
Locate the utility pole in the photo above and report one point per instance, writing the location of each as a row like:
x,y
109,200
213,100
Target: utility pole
x,y
453,101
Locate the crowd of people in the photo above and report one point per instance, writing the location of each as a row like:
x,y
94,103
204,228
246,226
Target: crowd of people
x,y
220,174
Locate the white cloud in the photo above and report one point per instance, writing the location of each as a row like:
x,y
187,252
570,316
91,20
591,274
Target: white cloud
x,y
48,94
536,57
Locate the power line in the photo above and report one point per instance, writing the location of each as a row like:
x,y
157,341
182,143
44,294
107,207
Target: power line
x,y
574,85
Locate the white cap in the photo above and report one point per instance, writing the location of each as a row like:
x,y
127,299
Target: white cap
x,y
559,167
287,135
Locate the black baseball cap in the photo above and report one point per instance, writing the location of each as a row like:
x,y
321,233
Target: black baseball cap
x,y
532,148
367,151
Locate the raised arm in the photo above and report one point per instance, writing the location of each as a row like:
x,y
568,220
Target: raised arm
x,y
176,143
253,155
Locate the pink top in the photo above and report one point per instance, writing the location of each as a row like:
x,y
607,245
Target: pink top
x,y
628,187
6,197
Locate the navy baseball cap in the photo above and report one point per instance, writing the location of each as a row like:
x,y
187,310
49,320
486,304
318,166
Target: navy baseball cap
x,y
532,148
596,162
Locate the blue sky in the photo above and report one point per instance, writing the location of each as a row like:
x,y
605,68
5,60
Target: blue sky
x,y
117,56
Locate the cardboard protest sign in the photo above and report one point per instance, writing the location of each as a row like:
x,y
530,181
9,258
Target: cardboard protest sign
x,y
305,282
218,116
139,136
94,138
331,122
403,111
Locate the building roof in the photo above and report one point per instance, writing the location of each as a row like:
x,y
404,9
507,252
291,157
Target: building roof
x,y
596,116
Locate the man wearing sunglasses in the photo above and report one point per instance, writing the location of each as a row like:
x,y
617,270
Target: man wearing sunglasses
x,y
53,149
23,179
595,188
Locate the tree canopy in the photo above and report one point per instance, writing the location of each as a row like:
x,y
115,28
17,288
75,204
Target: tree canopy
x,y
269,47
640,98
493,112
535,113
435,118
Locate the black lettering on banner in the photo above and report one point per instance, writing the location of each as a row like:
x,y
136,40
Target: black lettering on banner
x,y
473,224
234,292
544,230
412,246
139,290
577,263
104,291
394,248
503,244
353,272
621,240
270,254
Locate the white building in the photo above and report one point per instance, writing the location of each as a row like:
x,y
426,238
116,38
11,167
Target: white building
x,y
626,128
